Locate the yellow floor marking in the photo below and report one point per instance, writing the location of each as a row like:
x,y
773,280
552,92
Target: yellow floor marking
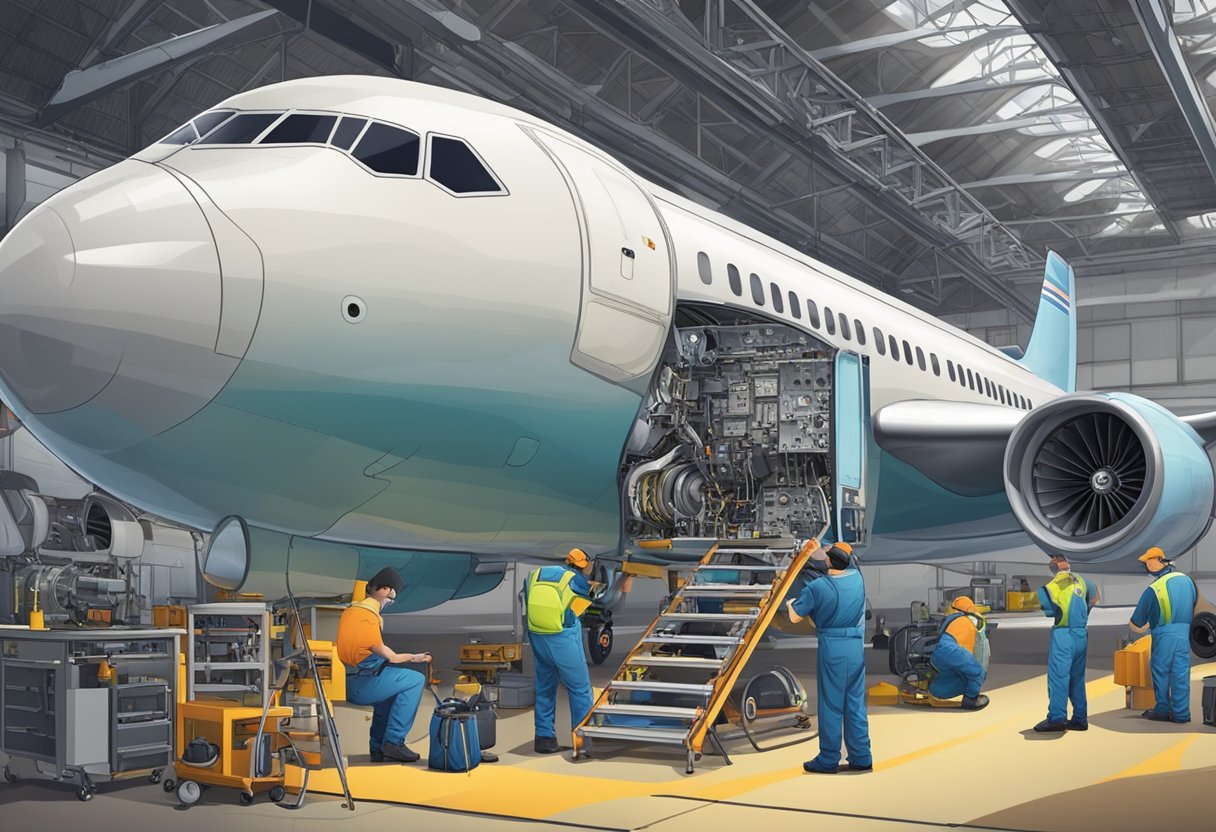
x,y
1166,761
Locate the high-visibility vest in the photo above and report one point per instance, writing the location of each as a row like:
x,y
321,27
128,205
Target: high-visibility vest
x,y
548,601
1062,593
1163,596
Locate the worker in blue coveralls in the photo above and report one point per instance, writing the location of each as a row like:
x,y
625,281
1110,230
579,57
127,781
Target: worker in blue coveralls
x,y
1167,605
837,604
958,669
1067,598
555,597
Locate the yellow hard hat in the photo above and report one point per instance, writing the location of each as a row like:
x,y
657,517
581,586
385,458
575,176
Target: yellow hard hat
x,y
963,604
1152,554
578,558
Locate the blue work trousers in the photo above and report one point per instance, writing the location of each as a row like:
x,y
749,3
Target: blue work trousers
x,y
1066,674
1171,666
393,693
957,671
559,658
841,682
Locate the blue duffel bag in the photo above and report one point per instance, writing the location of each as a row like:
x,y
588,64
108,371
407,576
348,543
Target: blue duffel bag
x,y
454,742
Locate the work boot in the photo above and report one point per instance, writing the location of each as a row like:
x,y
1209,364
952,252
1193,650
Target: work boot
x,y
1078,724
813,767
975,703
858,767
398,753
1156,716
375,756
1049,726
489,757
546,745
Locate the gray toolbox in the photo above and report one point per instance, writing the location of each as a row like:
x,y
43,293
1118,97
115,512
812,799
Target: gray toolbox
x,y
1209,700
515,690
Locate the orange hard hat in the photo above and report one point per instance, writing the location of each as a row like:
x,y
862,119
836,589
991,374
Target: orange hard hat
x,y
845,547
963,604
1152,554
578,558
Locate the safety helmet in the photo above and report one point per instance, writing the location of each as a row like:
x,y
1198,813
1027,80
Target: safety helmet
x,y
839,554
1152,554
578,559
963,604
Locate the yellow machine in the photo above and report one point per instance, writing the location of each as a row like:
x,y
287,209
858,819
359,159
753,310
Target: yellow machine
x,y
484,661
230,729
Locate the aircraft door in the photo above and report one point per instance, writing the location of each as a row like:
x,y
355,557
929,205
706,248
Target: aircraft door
x,y
852,417
628,277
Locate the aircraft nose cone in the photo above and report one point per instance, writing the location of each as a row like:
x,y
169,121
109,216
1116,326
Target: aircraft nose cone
x,y
110,298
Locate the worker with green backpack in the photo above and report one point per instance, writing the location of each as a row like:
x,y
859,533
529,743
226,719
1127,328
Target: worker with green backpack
x,y
555,597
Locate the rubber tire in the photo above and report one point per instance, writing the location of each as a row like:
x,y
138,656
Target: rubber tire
x,y
597,651
84,794
154,777
189,792
277,793
246,798
168,784
9,777
1203,636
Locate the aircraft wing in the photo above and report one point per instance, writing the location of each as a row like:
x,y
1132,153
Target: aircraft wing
x,y
958,445
1204,425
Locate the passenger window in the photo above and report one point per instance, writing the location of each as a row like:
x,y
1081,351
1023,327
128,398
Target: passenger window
x,y
736,282
844,328
1029,404
970,379
301,129
894,347
937,368
829,320
456,166
348,130
861,332
241,129
920,358
795,306
388,149
880,341
757,289
812,313
778,300
908,353
950,369
703,268
1001,391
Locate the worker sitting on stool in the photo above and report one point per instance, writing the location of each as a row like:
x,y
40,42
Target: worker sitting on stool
x,y
555,597
371,677
837,605
1167,605
1068,598
958,671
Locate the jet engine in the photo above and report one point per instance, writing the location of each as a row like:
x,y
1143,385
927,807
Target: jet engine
x,y
1104,476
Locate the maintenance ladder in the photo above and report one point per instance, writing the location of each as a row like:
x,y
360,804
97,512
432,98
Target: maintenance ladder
x,y
673,684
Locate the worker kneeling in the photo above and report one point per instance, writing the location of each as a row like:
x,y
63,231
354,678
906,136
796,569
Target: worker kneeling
x,y
837,605
555,597
371,677
958,669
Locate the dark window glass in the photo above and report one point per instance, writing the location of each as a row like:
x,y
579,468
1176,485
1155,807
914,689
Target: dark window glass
x,y
456,167
908,353
861,332
736,282
1001,391
829,320
894,347
703,268
347,132
301,129
812,313
970,379
795,306
207,122
1029,404
844,328
950,369
182,135
880,341
757,290
1025,403
387,149
920,358
937,367
988,389
778,299
240,129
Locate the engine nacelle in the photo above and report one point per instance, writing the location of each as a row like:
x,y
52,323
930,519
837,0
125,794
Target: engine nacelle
x,y
1103,476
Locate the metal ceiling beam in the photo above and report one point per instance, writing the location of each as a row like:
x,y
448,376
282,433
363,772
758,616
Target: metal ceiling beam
x,y
1156,20
1042,178
899,38
81,87
889,99
930,136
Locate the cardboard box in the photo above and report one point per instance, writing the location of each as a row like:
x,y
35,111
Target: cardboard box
x,y
1132,664
1141,699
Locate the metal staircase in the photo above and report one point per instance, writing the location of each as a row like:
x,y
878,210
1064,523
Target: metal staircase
x,y
673,684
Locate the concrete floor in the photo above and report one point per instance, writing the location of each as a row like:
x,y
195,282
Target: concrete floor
x,y
933,770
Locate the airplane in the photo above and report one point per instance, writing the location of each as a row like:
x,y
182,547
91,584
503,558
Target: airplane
x,y
347,322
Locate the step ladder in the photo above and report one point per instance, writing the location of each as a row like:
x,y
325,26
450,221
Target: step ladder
x,y
671,686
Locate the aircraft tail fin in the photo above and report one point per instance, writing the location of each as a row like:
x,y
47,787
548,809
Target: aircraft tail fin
x,y
1052,351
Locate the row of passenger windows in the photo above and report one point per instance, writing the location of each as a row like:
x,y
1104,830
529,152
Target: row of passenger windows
x,y
885,344
380,147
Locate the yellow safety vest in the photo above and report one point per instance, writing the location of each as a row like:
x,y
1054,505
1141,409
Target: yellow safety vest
x,y
548,601
1062,592
1163,596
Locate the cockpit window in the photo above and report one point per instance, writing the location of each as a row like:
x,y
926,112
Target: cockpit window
x,y
301,129
455,166
387,149
182,135
241,129
191,130
207,122
348,130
